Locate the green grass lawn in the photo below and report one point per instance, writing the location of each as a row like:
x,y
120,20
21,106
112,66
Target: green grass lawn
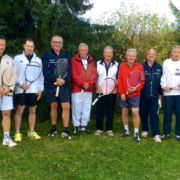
x,y
89,157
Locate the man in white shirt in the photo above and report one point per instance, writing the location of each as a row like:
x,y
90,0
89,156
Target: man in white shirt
x,y
170,83
33,91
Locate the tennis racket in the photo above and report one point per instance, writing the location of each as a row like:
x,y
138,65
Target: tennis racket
x,y
108,86
87,73
60,70
10,76
176,75
174,88
32,72
135,79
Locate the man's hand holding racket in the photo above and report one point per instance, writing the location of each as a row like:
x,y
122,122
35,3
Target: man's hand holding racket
x,y
130,90
87,74
59,82
25,86
99,89
86,86
4,90
1,90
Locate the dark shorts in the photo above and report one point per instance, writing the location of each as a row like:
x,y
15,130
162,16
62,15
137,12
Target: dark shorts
x,y
132,101
64,95
29,99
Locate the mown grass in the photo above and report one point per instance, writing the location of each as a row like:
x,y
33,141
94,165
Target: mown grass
x,y
88,157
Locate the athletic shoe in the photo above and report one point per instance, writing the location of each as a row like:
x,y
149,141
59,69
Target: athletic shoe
x,y
76,130
85,129
165,136
33,135
178,138
157,138
18,137
67,135
9,142
110,133
144,134
98,132
136,137
125,133
52,133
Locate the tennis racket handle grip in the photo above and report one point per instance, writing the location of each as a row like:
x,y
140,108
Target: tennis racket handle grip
x,y
57,92
94,102
55,83
81,94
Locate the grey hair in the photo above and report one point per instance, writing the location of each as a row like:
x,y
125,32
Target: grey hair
x,y
108,47
56,36
175,47
131,50
83,44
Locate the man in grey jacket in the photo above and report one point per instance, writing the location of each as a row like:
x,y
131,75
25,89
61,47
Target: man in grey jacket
x,y
6,100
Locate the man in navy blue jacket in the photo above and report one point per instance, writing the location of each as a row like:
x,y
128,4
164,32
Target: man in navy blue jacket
x,y
49,59
150,94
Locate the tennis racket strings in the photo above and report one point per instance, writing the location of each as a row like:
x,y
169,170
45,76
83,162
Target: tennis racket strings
x,y
32,72
107,86
135,79
61,70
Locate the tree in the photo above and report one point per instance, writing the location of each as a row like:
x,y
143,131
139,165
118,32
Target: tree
x,y
176,14
141,30
41,19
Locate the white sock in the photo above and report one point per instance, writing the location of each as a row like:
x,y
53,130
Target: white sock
x,y
136,130
126,127
6,135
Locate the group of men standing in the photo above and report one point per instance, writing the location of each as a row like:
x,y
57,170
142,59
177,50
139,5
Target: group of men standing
x,y
146,97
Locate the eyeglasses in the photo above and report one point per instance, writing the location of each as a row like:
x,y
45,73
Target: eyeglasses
x,y
57,42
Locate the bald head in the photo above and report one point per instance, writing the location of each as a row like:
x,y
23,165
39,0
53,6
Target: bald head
x,y
151,55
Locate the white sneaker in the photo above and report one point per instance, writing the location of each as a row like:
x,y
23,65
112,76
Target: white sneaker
x,y
9,142
157,138
144,134
98,133
110,133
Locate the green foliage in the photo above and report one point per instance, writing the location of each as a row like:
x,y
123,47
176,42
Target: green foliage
x,y
141,30
41,19
176,14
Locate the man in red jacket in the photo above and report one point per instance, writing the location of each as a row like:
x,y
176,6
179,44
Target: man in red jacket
x,y
83,78
131,98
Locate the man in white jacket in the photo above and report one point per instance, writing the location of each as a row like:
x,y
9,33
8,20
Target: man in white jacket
x,y
6,93
170,83
106,68
33,91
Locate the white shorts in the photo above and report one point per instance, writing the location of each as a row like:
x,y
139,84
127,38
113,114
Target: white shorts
x,y
6,103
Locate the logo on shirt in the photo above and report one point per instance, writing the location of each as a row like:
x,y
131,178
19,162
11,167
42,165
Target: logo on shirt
x,y
51,61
